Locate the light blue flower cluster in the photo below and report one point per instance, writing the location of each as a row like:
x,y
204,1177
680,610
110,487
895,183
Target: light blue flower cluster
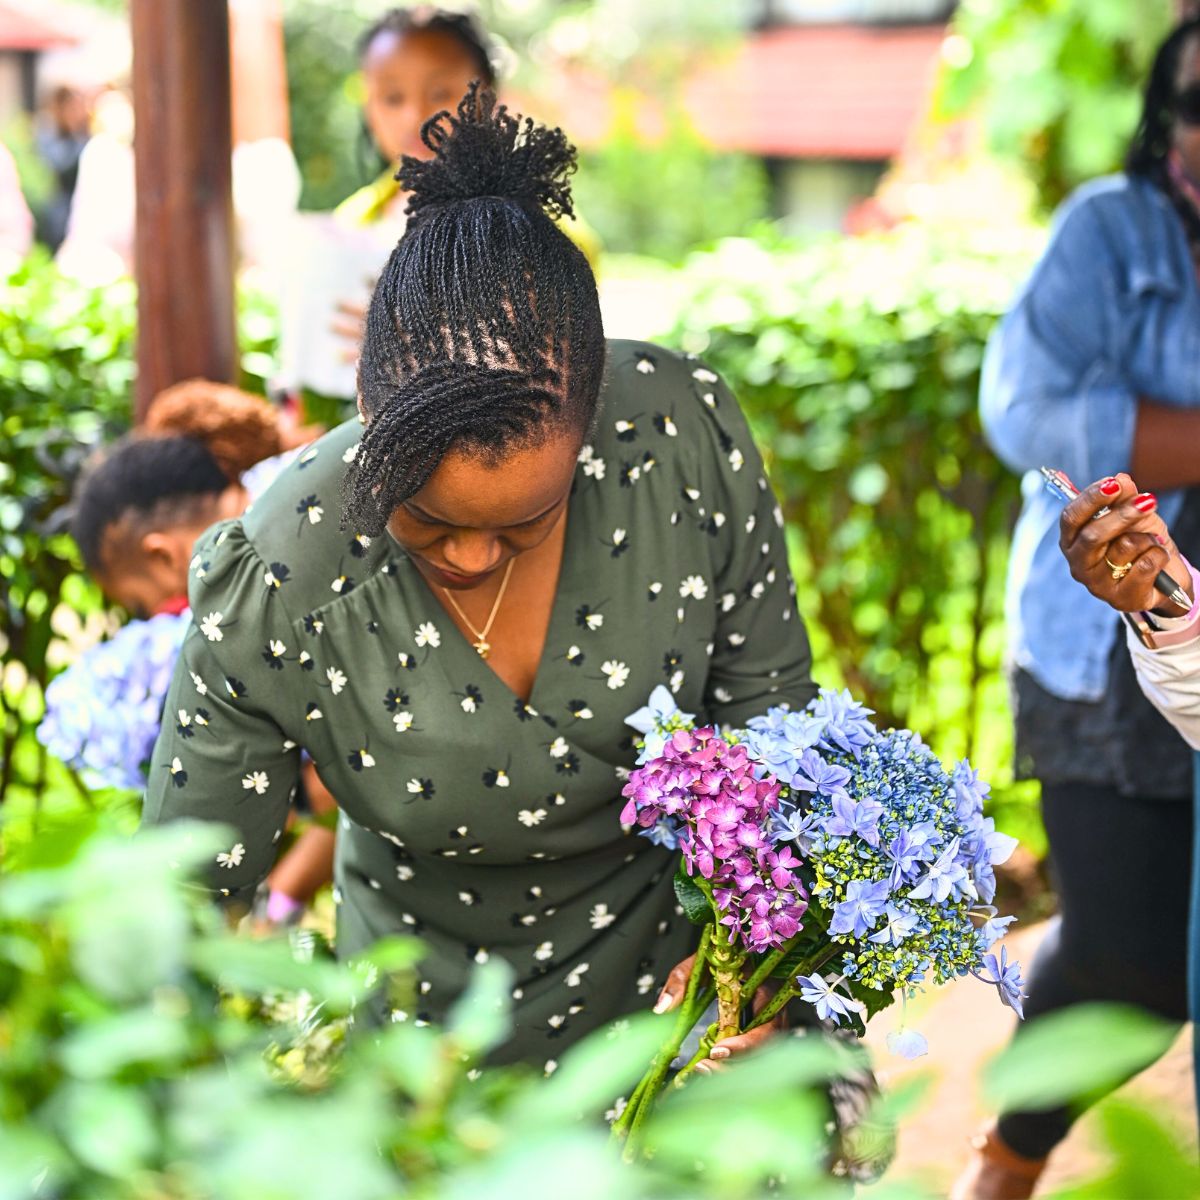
x,y
104,711
901,854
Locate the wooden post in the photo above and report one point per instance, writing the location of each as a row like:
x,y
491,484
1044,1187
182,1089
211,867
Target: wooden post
x,y
185,230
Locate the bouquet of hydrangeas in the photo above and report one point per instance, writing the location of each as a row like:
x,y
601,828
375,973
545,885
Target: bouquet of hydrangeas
x,y
842,863
104,711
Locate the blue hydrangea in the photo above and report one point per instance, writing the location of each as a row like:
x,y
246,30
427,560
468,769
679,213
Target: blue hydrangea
x,y
104,711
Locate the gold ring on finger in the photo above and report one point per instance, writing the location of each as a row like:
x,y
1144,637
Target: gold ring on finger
x,y
1119,570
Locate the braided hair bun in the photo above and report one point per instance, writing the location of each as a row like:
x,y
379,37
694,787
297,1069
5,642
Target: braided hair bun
x,y
484,332
238,429
484,151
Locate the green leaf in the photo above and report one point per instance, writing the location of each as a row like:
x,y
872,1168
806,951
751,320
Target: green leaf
x,y
109,1129
101,1049
481,1017
1056,1059
591,1075
695,904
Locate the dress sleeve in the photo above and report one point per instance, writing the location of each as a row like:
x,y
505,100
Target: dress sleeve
x,y
222,754
1052,391
761,655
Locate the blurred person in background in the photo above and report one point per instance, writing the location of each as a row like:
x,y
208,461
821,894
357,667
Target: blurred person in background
x,y
205,451
415,62
1095,371
16,221
99,243
61,136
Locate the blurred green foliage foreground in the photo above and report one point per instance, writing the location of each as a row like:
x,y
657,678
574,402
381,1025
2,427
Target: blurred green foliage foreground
x,y
149,1053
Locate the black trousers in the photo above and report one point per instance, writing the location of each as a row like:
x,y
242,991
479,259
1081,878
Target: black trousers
x,y
1123,869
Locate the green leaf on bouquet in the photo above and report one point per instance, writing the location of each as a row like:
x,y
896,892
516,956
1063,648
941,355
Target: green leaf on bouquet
x,y
875,1000
798,960
692,900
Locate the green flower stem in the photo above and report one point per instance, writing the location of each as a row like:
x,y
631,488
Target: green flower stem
x,y
642,1100
765,968
789,991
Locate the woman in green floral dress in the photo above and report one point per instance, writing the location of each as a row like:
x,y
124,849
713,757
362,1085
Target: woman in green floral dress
x,y
454,605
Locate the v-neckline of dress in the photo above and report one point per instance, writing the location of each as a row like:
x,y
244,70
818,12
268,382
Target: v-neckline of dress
x,y
465,643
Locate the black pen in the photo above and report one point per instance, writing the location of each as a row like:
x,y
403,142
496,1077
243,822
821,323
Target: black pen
x,y
1060,484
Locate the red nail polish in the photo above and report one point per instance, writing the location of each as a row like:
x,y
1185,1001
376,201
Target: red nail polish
x,y
1110,487
1146,502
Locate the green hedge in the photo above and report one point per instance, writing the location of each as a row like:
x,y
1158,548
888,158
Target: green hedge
x,y
858,363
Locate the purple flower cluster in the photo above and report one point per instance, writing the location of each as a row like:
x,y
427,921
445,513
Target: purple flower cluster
x,y
104,711
702,794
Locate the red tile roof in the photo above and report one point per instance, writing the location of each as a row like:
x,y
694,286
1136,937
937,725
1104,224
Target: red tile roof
x,y
22,29
838,91
835,91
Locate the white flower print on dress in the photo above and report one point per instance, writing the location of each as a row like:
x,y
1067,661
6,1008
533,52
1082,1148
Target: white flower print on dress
x,y
694,586
201,686
728,602
617,673
676,681
645,984
232,858
736,639
559,747
600,917
722,695
427,635
337,680
403,721
350,453
737,460
314,512
529,819
751,521
544,951
704,375
468,703
576,974
256,780
211,626
645,364
595,468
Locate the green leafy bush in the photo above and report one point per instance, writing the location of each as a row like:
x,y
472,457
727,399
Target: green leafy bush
x,y
123,1078
857,361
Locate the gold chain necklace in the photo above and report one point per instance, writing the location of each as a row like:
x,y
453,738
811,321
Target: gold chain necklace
x,y
482,646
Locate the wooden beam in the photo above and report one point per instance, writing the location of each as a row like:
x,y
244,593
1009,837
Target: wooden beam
x,y
185,230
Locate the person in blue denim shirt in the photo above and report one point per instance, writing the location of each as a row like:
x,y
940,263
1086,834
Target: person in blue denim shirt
x,y
1096,370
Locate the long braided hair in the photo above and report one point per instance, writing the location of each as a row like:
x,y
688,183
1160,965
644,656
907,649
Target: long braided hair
x,y
483,334
1151,143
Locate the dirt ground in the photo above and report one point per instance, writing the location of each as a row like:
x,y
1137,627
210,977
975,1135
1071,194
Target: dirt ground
x,y
966,1025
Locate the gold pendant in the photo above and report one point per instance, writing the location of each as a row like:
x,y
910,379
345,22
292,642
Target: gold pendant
x,y
482,648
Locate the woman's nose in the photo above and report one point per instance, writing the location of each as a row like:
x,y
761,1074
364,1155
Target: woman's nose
x,y
471,554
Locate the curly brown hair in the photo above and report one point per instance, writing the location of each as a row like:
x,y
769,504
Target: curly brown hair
x,y
239,429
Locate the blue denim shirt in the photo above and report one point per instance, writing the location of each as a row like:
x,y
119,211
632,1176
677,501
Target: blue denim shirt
x,y
1110,314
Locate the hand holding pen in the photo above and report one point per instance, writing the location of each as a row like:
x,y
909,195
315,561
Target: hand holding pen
x,y
1119,548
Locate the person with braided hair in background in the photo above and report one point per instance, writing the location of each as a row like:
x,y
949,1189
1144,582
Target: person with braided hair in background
x,y
526,531
205,450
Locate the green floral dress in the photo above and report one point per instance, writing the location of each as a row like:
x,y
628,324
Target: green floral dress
x,y
483,824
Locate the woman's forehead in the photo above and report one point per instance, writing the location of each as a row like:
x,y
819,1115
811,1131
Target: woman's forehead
x,y
473,491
